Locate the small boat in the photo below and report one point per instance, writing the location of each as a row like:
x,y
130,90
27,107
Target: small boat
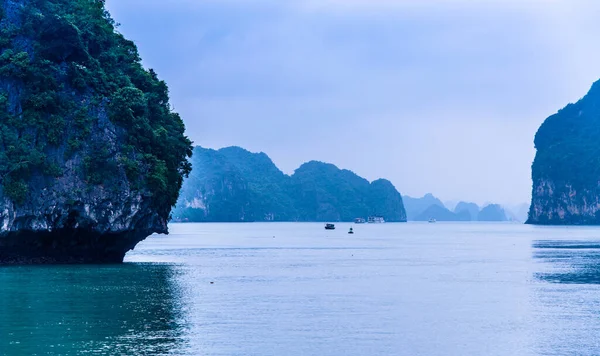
x,y
359,221
351,231
376,220
329,227
432,220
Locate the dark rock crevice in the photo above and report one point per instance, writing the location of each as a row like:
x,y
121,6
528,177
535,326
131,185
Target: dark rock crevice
x,y
68,246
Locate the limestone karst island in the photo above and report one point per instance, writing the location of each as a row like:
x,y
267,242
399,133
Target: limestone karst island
x,y
566,170
91,156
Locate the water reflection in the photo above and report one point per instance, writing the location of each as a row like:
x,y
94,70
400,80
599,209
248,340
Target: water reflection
x,y
130,309
570,262
566,304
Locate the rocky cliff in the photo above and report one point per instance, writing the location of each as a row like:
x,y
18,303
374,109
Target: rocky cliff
x,y
566,169
232,184
91,156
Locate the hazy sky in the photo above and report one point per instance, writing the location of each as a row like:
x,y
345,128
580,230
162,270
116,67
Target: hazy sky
x,y
441,96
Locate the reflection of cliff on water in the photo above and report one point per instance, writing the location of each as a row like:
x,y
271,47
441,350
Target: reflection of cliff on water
x,y
573,261
125,309
564,306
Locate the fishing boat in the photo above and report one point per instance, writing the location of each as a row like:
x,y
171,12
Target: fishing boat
x,y
432,220
376,220
329,227
359,221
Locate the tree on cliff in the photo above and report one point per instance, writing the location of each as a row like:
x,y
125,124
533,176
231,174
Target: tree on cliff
x,y
62,64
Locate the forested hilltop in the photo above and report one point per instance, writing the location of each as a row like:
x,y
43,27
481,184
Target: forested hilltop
x,y
91,155
566,169
232,184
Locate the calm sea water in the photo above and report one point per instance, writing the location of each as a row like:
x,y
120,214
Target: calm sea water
x,y
296,289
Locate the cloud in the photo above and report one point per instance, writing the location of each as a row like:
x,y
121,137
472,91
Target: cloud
x,y
441,96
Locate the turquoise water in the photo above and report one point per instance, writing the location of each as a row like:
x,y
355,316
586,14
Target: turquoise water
x,y
296,289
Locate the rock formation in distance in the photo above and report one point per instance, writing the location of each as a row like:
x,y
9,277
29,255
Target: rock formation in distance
x,y
235,185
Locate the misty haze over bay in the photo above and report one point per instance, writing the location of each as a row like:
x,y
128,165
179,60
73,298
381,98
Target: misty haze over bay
x,y
437,96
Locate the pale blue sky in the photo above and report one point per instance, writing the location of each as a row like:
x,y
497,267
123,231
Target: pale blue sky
x,y
437,96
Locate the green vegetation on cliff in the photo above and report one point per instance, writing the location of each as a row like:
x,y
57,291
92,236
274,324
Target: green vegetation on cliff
x,y
233,184
65,72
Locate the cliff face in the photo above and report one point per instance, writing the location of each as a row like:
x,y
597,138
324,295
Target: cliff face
x,y
562,203
233,184
566,169
91,157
